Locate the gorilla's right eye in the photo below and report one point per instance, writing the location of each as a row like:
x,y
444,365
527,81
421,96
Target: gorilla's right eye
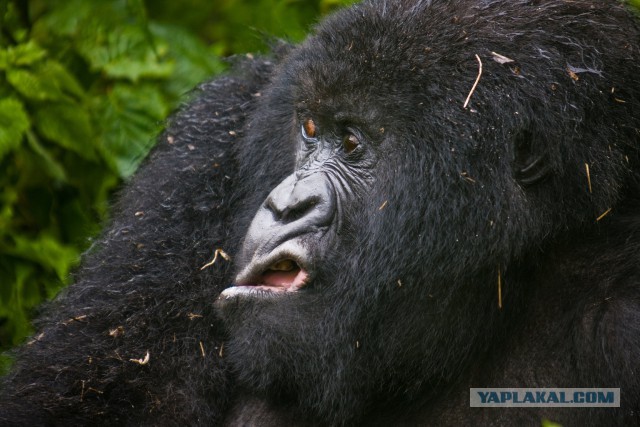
x,y
309,129
350,143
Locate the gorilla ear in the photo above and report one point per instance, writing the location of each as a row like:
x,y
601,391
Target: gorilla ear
x,y
531,160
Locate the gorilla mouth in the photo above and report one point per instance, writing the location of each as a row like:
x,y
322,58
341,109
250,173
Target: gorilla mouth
x,y
280,276
285,274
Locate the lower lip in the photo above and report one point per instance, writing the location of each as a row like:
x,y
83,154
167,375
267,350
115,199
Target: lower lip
x,y
296,284
257,291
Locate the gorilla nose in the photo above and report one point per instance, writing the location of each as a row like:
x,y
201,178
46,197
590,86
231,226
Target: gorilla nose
x,y
299,205
307,199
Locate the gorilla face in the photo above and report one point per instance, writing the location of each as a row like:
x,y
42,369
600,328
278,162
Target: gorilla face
x,y
302,217
369,273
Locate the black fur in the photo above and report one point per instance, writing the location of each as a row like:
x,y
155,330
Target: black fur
x,y
402,316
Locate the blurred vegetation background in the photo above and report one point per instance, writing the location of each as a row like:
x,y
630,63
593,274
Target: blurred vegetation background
x,y
84,88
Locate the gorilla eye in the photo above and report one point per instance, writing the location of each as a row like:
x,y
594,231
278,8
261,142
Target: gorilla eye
x,y
309,129
350,143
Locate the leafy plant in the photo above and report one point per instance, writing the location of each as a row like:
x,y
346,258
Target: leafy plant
x,y
84,88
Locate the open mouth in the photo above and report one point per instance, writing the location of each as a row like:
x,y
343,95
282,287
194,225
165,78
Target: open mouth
x,y
283,275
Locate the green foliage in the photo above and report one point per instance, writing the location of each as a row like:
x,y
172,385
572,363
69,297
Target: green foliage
x,y
84,88
242,25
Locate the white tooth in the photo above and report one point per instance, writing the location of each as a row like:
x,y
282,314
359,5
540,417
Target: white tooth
x,y
284,265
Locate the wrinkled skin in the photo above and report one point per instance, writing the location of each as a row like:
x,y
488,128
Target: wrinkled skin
x,y
389,247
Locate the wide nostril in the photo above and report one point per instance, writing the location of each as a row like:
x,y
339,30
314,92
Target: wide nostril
x,y
291,208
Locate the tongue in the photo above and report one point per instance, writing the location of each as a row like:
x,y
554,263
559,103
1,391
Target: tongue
x,y
286,280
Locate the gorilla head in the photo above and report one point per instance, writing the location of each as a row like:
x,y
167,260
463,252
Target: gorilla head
x,y
370,272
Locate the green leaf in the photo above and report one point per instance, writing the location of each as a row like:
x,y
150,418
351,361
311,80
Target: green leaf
x,y
194,62
67,125
27,53
126,53
45,160
131,117
49,81
13,124
136,68
62,78
5,363
68,17
13,312
8,198
32,86
327,6
22,54
46,251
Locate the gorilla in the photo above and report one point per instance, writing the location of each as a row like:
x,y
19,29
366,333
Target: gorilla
x,y
422,197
